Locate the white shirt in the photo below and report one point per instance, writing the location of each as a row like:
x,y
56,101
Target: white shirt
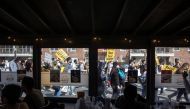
x,y
13,66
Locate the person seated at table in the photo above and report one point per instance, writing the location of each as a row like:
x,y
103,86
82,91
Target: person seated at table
x,y
129,100
34,97
10,98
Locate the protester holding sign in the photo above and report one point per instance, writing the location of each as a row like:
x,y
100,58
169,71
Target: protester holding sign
x,y
177,65
183,69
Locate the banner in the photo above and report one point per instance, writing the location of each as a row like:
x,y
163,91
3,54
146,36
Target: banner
x,y
8,77
157,60
61,54
48,57
110,55
169,67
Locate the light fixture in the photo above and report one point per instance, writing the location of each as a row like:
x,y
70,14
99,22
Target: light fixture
x,y
99,38
65,39
154,41
69,41
14,40
125,38
130,41
41,39
36,39
9,37
95,38
186,40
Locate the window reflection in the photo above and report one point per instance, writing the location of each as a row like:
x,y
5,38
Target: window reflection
x,y
171,64
64,71
15,63
114,63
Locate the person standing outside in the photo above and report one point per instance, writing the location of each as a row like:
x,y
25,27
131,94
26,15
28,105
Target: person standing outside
x,y
177,65
13,65
183,69
143,79
115,80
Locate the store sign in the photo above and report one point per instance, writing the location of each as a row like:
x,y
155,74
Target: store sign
x,y
110,55
61,54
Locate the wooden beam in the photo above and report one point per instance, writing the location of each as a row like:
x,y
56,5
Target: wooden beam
x,y
120,16
16,20
93,16
183,29
38,17
6,28
64,16
172,20
147,17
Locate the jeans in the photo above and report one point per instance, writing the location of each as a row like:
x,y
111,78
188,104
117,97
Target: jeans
x,y
182,91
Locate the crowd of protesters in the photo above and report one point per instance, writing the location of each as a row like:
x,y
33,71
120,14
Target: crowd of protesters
x,y
16,64
111,83
65,67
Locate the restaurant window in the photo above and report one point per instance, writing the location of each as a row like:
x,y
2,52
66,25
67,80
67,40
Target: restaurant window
x,y
64,73
169,70
72,49
176,49
126,66
15,63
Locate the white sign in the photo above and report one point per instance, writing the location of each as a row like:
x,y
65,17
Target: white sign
x,y
47,57
8,77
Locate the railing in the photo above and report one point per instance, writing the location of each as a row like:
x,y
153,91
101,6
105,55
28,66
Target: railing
x,y
164,50
18,51
137,51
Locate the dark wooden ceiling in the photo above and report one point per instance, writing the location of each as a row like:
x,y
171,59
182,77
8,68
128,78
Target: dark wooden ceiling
x,y
102,17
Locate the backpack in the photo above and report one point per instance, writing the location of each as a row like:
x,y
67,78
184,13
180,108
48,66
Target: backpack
x,y
121,74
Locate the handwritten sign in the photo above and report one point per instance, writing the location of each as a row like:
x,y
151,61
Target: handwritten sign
x,y
61,54
110,55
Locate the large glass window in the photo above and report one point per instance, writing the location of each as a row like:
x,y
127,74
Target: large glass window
x,y
170,67
15,62
119,66
64,72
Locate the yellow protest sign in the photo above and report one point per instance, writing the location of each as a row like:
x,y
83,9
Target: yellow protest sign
x,y
110,55
169,67
61,54
157,60
62,69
